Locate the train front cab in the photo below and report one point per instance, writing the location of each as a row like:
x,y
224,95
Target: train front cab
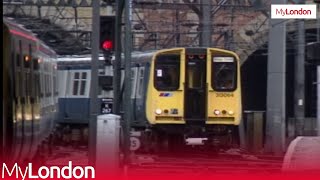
x,y
194,87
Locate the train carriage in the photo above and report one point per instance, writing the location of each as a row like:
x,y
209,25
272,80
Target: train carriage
x,y
74,75
29,92
186,92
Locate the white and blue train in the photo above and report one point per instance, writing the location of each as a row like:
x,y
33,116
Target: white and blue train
x,y
74,78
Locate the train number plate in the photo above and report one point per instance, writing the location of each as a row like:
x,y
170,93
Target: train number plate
x,y
224,95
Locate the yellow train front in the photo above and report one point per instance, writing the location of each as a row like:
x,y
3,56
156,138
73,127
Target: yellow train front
x,y
187,92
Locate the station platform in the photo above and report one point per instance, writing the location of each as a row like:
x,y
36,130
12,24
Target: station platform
x,y
303,155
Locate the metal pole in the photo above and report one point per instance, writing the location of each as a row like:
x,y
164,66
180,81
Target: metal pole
x,y
177,30
231,45
117,62
318,22
206,23
127,79
299,67
275,133
318,96
94,81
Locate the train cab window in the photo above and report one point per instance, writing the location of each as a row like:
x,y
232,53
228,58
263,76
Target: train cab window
x,y
224,76
167,72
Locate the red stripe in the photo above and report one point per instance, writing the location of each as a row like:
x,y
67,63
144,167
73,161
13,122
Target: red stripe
x,y
23,35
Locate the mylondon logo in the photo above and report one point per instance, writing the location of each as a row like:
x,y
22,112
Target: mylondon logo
x,y
293,11
66,172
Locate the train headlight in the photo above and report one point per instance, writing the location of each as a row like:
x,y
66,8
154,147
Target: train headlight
x,y
231,113
216,112
158,111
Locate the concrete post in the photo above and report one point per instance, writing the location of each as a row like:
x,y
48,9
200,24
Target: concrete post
x,y
276,83
94,105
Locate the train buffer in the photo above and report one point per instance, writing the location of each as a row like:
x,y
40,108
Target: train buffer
x,y
303,155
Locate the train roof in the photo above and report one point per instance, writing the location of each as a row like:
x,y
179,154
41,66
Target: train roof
x,y
87,57
77,58
19,30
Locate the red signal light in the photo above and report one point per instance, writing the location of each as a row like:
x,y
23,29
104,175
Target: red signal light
x,y
107,44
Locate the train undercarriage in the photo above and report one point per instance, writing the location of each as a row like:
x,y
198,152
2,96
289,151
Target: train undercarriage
x,y
172,138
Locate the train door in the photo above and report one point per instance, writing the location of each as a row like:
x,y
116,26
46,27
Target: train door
x,y
195,88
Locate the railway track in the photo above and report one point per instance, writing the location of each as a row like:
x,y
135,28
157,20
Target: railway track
x,y
221,163
195,162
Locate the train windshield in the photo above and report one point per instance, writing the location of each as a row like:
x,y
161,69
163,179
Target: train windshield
x,y
224,74
167,72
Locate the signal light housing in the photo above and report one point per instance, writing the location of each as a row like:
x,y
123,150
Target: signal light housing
x,y
107,33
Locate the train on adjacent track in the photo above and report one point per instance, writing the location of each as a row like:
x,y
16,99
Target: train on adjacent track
x,y
176,94
182,93
30,93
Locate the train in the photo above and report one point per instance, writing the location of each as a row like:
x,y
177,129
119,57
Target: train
x,y
176,94
74,79
30,93
187,92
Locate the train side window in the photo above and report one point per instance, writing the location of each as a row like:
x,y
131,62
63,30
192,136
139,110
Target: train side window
x,y
83,83
18,56
37,85
133,81
18,60
167,72
79,83
18,83
140,83
55,87
224,73
28,84
28,58
46,84
41,84
49,85
36,63
76,83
